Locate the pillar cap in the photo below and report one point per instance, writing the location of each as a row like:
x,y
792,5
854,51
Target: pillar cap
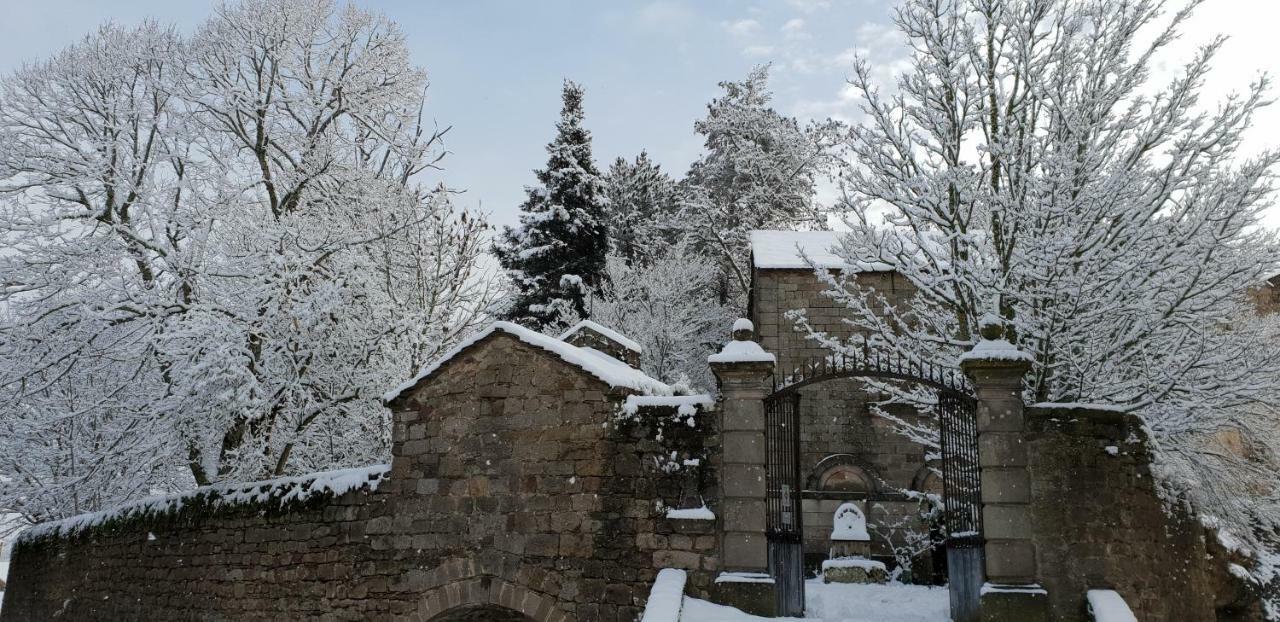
x,y
742,349
993,351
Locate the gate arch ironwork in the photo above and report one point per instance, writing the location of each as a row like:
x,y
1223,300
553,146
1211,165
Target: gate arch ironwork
x,y
961,477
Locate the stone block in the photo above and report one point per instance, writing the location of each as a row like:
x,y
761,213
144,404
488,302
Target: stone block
x,y
745,551
754,598
1008,522
1014,604
1010,561
1006,485
1002,449
743,446
743,514
743,480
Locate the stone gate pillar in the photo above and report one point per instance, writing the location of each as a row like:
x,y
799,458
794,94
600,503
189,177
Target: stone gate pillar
x,y
996,368
743,369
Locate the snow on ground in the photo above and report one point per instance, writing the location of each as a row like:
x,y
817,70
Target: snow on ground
x,y
839,602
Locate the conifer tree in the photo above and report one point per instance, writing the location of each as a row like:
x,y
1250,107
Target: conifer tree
x,y
641,205
559,249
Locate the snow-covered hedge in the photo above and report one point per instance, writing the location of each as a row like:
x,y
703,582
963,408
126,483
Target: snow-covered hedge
x,y
269,495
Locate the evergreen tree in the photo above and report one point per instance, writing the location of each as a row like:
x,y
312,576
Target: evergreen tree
x,y
760,171
641,205
558,251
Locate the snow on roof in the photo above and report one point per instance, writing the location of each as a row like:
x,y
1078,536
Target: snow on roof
x,y
611,371
616,336
283,489
786,250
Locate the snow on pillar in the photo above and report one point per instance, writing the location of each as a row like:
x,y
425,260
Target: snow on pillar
x,y
996,368
743,369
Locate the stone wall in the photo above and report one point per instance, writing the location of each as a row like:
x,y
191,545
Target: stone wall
x,y
1099,523
514,482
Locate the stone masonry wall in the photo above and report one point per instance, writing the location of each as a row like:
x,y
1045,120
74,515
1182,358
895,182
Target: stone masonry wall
x,y
1099,523
513,483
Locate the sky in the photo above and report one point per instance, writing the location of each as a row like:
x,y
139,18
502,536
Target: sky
x,y
649,67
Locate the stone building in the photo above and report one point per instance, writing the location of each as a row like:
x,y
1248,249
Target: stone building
x,y
848,454
531,479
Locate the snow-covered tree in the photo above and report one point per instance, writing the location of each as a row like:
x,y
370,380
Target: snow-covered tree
x,y
641,210
218,253
558,251
1026,167
760,171
663,305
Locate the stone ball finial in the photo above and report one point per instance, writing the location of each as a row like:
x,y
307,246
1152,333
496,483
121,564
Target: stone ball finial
x,y
743,330
991,327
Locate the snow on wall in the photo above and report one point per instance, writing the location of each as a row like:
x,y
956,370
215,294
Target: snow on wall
x,y
611,371
281,490
666,597
786,250
1109,606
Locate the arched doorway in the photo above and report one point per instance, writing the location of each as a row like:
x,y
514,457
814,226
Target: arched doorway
x,y
481,613
955,409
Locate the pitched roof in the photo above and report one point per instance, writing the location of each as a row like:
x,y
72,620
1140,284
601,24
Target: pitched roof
x,y
609,370
614,335
787,250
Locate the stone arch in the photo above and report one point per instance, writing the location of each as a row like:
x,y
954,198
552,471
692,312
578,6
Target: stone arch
x,y
928,479
842,473
475,597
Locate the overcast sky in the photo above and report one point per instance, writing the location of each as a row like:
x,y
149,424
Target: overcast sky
x,y
649,67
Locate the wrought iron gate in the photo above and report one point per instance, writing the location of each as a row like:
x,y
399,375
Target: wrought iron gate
x,y
962,502
961,477
783,521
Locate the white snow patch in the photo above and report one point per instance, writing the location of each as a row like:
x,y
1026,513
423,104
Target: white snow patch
x,y
1112,449
614,335
741,352
744,577
995,350
996,588
854,562
701,513
284,489
613,372
1109,606
843,602
849,524
743,323
666,597
684,404
786,250
1080,406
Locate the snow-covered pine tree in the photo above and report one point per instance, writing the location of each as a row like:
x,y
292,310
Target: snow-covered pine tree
x,y
1027,168
642,202
558,251
760,171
